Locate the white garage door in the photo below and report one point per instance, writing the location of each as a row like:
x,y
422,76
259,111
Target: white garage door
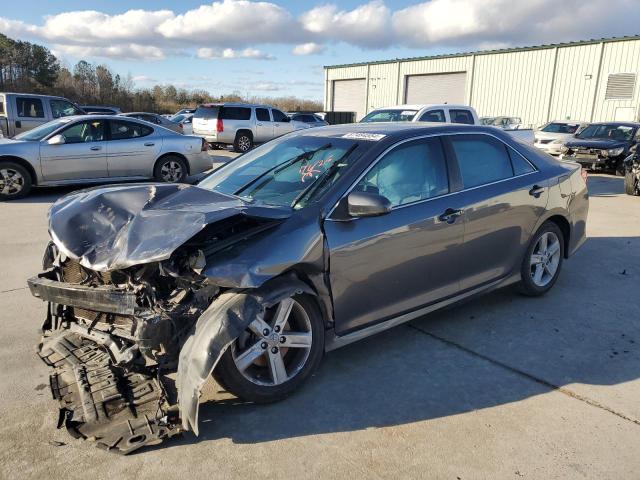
x,y
437,88
350,96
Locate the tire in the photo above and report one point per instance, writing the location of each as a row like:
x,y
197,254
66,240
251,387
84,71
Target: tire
x,y
15,181
243,142
630,184
620,171
533,283
171,169
257,383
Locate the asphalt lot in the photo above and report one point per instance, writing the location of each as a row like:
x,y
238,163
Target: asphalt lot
x,y
500,387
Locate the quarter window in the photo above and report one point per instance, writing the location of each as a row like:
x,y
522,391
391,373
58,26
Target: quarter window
x,y
121,130
83,132
262,115
482,159
410,173
520,165
29,107
236,113
461,116
433,116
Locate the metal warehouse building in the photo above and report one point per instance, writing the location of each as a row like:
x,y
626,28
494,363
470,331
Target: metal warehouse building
x,y
591,80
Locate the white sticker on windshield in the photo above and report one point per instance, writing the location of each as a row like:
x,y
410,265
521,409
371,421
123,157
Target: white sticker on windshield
x,y
364,136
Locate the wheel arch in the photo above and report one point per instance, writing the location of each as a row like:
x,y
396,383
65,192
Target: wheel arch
x,y
173,154
565,227
23,163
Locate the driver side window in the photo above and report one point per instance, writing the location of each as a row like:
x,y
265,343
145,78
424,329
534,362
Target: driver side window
x,y
411,172
84,132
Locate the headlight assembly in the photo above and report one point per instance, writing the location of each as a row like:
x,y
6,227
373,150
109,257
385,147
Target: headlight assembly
x,y
614,152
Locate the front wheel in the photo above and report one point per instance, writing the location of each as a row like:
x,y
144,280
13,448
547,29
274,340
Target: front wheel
x,y
274,355
631,186
15,181
543,260
170,169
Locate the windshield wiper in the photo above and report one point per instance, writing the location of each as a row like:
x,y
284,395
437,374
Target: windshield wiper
x,y
324,177
281,166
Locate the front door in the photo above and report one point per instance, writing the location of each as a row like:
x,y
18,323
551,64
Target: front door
x,y
503,197
281,123
384,266
83,155
131,149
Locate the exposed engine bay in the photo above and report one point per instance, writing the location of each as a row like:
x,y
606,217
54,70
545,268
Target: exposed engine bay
x,y
131,347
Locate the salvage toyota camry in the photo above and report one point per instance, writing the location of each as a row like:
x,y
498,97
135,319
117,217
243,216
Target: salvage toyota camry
x,y
305,244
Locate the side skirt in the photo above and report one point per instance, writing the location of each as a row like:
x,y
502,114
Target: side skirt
x,y
333,341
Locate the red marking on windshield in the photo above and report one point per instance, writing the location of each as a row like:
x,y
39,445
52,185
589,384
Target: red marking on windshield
x,y
309,171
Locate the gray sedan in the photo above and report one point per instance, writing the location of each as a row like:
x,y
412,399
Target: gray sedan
x,y
95,149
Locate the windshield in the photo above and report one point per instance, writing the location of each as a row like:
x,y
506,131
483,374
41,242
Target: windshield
x,y
608,131
42,131
289,171
560,128
180,117
206,112
487,120
390,116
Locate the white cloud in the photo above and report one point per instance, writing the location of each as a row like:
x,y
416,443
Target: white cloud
x,y
309,48
144,79
227,53
247,29
366,26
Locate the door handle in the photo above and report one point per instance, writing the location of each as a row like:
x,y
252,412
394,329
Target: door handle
x,y
536,191
18,124
149,144
450,215
259,124
96,147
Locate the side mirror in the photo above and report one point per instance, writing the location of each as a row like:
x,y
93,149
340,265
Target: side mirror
x,y
56,140
286,119
363,204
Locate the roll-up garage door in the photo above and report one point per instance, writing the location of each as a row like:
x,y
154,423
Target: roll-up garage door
x,y
437,88
350,96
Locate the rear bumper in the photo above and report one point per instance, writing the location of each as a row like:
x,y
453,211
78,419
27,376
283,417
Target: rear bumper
x,y
199,162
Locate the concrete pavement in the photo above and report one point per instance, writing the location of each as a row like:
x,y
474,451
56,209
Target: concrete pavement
x,y
500,387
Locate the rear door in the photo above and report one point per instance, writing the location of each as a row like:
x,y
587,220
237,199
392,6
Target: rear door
x,y
502,199
433,115
132,148
83,155
387,265
264,125
30,112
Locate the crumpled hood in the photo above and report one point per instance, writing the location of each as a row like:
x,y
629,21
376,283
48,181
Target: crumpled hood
x,y
600,143
108,228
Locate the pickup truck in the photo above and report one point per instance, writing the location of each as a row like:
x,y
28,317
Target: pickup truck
x,y
439,113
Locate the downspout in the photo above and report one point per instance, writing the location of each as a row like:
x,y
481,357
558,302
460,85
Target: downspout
x,y
473,74
398,85
597,87
553,83
366,96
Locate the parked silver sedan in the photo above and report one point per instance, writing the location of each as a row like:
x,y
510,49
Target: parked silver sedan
x,y
95,149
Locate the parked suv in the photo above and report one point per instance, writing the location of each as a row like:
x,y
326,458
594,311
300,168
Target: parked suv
x,y
241,125
20,112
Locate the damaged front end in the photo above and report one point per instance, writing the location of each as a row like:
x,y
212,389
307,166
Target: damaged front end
x,y
114,332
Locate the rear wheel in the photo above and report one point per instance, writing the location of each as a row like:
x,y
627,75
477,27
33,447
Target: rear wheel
x,y
542,261
274,355
15,181
243,142
631,184
170,169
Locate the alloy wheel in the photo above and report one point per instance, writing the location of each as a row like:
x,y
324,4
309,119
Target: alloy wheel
x,y
545,259
11,181
273,350
244,143
171,171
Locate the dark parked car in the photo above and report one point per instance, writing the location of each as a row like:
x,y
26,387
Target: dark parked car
x,y
101,110
632,174
310,242
311,119
155,119
602,146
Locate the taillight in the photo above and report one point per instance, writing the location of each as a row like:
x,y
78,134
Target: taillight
x,y
583,174
181,126
205,146
220,126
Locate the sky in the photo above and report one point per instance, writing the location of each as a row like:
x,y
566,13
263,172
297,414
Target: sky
x,y
276,48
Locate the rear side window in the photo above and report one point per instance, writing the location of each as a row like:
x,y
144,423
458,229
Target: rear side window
x,y
262,114
461,116
278,116
433,116
520,165
482,159
122,130
29,107
206,113
236,113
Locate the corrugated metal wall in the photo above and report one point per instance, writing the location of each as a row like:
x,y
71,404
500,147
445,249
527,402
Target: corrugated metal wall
x,y
536,84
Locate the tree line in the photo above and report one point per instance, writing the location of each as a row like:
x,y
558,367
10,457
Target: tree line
x,y
30,68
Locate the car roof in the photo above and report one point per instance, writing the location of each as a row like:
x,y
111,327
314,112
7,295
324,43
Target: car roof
x,y
23,94
419,107
137,113
237,104
622,124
